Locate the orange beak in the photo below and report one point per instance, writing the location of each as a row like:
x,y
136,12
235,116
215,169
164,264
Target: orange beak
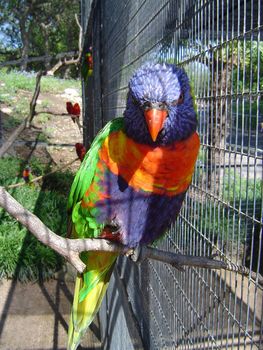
x,y
155,119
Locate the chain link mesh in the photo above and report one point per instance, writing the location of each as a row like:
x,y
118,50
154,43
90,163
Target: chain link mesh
x,y
219,44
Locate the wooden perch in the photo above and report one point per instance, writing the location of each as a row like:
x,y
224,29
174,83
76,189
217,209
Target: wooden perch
x,y
71,248
68,248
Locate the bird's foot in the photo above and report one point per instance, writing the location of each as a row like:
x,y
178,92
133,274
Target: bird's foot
x,y
138,254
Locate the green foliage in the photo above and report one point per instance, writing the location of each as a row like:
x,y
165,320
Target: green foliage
x,y
246,55
60,182
247,113
240,188
21,255
239,192
38,28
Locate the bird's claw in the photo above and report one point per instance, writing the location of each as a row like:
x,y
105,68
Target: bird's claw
x,y
137,254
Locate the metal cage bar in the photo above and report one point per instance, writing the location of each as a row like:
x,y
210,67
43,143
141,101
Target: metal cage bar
x,y
219,44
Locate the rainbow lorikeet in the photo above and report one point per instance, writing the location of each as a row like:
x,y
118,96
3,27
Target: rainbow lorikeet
x,y
87,66
80,150
27,175
74,112
132,181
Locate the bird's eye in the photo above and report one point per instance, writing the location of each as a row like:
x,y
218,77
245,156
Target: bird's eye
x,y
162,105
179,101
146,105
134,101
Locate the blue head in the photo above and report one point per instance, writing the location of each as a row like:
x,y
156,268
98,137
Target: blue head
x,y
160,107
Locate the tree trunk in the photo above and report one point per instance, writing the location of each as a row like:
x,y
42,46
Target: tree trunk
x,y
46,43
218,122
25,40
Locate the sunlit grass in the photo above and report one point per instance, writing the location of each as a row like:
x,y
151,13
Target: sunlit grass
x,y
13,81
21,255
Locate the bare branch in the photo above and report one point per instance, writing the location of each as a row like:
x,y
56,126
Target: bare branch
x,y
38,178
8,143
68,248
80,36
33,102
48,58
64,61
71,248
53,113
28,120
56,67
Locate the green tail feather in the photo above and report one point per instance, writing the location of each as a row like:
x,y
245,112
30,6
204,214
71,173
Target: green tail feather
x,y
90,289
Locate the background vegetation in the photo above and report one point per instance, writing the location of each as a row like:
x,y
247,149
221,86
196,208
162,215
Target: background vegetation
x,y
21,255
38,28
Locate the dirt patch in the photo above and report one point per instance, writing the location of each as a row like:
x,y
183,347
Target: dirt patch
x,y
53,134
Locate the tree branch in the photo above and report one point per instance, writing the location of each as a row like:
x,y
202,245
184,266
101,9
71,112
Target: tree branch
x,y
33,102
48,58
28,120
80,37
38,178
71,248
65,62
68,248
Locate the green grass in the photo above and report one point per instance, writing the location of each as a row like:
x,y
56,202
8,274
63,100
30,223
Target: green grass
x,y
21,255
240,188
45,104
11,123
17,88
14,81
43,118
240,193
248,112
56,85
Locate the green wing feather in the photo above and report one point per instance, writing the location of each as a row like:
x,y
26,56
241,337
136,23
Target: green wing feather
x,y
92,284
85,174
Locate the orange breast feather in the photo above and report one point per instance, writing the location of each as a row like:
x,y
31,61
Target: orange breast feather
x,y
161,170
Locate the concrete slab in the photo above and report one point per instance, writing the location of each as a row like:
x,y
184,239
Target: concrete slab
x,y
35,316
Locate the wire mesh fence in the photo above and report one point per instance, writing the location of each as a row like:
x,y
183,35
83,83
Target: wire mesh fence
x,y
219,44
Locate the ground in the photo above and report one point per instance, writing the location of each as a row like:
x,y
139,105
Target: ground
x,y
53,135
35,316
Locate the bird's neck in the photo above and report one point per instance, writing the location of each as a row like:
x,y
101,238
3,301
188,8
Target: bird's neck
x,y
159,169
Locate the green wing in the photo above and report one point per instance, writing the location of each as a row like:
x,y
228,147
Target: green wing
x,y
84,222
92,284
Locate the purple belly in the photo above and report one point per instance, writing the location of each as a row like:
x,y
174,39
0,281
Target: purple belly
x,y
142,217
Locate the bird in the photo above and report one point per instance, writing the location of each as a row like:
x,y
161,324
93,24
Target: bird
x,y
87,66
80,150
74,111
27,175
132,182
